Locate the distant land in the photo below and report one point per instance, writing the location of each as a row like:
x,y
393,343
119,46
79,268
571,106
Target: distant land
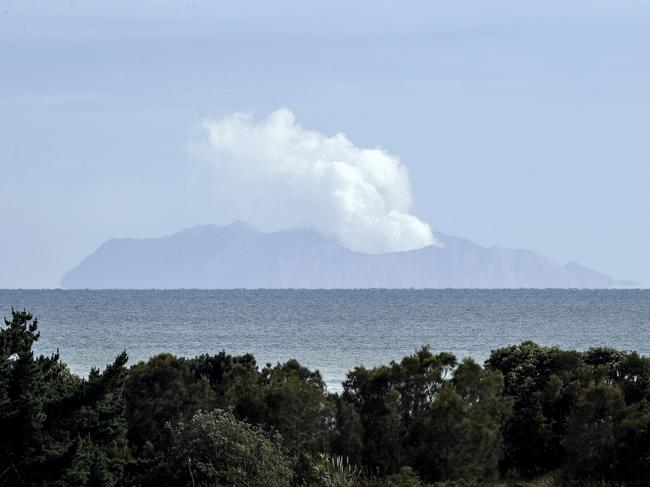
x,y
240,256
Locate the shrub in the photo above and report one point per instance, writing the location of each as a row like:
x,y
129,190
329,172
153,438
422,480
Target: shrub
x,y
214,448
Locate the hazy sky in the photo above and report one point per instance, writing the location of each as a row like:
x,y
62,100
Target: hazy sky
x,y
521,124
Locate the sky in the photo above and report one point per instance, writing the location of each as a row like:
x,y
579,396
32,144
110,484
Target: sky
x,y
515,124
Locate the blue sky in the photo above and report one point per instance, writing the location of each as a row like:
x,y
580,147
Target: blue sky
x,y
522,124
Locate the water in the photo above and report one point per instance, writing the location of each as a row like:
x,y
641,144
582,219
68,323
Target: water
x,y
331,331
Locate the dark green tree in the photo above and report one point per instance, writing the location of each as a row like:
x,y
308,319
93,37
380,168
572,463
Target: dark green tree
x,y
462,434
544,383
298,407
22,391
54,425
217,368
159,391
376,401
594,432
629,370
347,439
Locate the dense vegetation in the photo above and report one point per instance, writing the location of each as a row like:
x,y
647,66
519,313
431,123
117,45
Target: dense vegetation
x,y
531,412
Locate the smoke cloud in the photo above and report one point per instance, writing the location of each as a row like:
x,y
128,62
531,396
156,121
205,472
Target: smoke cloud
x,y
274,173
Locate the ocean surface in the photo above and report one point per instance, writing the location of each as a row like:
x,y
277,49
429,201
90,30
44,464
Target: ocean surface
x,y
329,330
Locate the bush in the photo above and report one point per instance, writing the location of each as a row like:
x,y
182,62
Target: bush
x,y
214,448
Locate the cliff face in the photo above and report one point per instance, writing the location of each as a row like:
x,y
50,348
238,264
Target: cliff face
x,y
239,256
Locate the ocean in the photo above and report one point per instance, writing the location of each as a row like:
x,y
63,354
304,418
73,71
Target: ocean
x,y
329,330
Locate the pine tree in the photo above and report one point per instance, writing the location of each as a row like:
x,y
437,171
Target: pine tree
x,y
21,400
55,426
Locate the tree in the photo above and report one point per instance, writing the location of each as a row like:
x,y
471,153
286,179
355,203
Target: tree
x,y
544,384
87,427
215,448
594,431
217,368
376,402
462,432
629,370
161,390
54,425
347,438
287,398
21,400
298,407
425,412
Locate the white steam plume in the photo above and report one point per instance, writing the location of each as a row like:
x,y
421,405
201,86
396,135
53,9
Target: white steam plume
x,y
276,174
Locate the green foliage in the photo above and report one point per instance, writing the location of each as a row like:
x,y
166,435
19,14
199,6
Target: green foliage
x,y
297,405
389,404
565,417
428,413
56,428
545,383
286,398
22,389
593,432
161,390
214,448
333,471
407,477
463,436
584,413
348,435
